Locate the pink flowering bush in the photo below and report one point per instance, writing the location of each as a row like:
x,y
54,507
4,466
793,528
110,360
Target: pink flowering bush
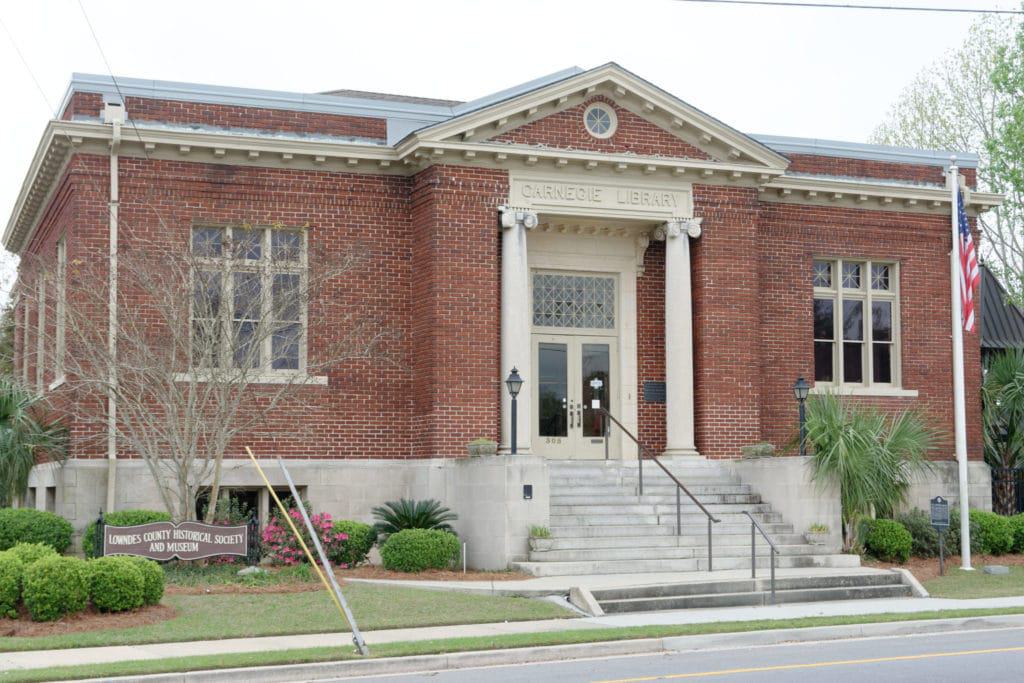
x,y
281,546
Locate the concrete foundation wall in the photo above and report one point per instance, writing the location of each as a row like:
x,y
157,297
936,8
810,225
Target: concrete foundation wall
x,y
485,492
785,482
943,480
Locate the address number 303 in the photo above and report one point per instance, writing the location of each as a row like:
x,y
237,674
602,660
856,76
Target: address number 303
x,y
553,439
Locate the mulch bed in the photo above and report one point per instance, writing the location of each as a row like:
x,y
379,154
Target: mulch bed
x,y
89,620
927,569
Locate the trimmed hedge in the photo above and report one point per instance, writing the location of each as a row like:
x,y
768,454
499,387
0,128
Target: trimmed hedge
x,y
55,586
25,525
953,533
120,518
152,579
356,547
31,552
888,540
413,550
115,584
1017,524
925,537
12,572
995,531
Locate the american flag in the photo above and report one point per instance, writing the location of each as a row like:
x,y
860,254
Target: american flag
x,y
970,275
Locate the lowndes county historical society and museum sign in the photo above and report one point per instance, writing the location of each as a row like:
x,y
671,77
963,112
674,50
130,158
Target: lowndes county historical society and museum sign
x,y
167,540
584,197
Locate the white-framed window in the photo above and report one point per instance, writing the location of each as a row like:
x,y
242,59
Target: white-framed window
x,y
856,323
245,279
600,120
25,332
60,311
41,334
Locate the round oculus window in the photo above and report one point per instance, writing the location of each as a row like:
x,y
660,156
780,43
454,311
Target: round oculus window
x,y
600,120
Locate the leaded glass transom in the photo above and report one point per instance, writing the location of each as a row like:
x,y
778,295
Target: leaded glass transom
x,y
581,301
822,274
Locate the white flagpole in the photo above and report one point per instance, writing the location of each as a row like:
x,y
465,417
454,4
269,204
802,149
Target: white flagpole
x,y
959,409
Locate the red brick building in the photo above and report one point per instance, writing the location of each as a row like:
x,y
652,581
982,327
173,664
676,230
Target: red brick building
x,y
618,246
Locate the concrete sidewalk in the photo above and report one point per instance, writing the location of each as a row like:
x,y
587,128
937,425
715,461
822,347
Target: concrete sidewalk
x,y
97,655
560,585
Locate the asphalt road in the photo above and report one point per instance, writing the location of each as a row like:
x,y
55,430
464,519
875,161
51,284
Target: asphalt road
x,y
990,656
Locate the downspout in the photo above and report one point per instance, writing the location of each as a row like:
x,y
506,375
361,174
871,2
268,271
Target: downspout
x,y
114,114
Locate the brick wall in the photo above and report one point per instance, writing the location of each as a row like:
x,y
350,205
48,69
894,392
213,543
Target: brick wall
x,y
883,170
726,301
789,239
456,307
227,116
634,135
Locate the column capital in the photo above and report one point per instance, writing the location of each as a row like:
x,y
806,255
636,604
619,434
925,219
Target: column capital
x,y
512,216
677,226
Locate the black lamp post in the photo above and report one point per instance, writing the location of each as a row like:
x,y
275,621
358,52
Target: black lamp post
x,y
514,383
800,389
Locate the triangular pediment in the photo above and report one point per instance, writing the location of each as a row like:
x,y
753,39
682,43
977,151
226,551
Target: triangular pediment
x,y
650,123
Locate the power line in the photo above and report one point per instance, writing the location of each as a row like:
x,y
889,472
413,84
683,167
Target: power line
x,y
124,102
32,75
887,8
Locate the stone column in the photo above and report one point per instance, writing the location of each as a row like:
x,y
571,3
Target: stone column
x,y
679,414
515,324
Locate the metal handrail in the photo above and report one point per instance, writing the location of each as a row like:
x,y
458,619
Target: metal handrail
x,y
648,453
753,554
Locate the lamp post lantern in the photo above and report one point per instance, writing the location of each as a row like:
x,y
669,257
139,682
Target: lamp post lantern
x,y
800,390
514,383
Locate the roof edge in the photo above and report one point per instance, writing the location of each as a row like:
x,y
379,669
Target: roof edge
x,y
860,150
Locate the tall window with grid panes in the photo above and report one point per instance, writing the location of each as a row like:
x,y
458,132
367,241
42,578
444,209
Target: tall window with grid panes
x,y
856,323
248,309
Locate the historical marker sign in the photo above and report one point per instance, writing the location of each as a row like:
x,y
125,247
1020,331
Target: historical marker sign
x,y
184,541
940,512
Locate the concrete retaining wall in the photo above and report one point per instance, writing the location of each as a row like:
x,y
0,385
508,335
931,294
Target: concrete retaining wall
x,y
486,493
785,482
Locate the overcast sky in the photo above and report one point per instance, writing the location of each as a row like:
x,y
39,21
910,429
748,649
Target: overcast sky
x,y
806,72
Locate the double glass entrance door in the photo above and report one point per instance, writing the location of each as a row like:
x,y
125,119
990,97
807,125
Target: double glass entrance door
x,y
574,379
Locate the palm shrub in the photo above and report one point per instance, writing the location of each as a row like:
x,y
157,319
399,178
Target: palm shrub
x,y
868,456
395,516
25,435
1002,401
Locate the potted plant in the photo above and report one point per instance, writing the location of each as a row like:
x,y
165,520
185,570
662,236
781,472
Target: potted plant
x,y
817,534
483,446
540,538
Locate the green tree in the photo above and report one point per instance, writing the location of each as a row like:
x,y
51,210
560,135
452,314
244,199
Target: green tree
x,y
1006,145
955,104
25,432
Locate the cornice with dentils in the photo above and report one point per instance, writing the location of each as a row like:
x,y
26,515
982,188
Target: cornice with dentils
x,y
63,138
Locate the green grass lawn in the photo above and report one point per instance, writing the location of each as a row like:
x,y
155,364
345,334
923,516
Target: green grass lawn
x,y
976,584
333,654
236,615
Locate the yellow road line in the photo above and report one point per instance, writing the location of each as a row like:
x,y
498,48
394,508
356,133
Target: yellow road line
x,y
814,665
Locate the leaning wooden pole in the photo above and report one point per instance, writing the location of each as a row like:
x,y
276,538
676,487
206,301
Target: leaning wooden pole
x,y
332,585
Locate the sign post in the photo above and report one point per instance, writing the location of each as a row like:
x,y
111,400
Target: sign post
x,y
940,520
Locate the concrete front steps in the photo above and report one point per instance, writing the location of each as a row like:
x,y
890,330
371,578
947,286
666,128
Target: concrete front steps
x,y
747,592
600,524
